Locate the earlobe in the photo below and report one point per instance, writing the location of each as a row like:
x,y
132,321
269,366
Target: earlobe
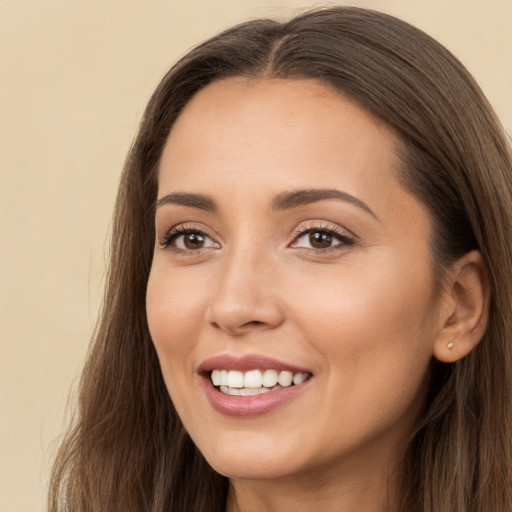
x,y
464,321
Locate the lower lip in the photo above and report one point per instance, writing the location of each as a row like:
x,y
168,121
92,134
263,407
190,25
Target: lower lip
x,y
254,405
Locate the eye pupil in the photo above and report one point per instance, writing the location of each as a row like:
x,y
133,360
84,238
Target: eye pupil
x,y
320,240
193,240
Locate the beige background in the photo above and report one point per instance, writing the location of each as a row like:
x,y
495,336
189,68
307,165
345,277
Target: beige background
x,y
74,79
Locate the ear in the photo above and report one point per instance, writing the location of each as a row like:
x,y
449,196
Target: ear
x,y
465,314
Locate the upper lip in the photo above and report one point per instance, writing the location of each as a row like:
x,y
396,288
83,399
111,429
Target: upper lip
x,y
246,363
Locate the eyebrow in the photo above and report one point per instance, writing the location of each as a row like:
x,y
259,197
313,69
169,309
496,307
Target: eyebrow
x,y
294,199
283,201
187,199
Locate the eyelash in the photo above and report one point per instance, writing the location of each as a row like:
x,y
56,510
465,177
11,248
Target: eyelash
x,y
344,238
177,231
303,230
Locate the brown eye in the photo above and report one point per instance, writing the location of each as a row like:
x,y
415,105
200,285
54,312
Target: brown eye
x,y
320,239
193,241
189,240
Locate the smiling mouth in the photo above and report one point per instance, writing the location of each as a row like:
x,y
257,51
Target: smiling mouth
x,y
255,382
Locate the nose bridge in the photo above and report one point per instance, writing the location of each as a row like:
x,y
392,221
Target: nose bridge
x,y
245,296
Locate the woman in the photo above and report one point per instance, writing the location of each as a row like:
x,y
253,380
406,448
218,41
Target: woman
x,y
309,295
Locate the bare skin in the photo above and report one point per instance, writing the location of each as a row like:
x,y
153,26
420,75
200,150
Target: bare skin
x,y
336,283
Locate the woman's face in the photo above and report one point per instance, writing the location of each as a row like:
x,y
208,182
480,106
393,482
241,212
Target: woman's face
x,y
287,249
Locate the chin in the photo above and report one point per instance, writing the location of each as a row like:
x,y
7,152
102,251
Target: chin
x,y
251,462
247,469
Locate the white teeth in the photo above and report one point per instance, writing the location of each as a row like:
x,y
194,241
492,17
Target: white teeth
x,y
253,379
257,391
243,392
254,382
270,378
298,378
285,379
230,391
235,379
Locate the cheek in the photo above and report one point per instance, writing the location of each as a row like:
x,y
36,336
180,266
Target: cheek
x,y
174,312
385,304
375,350
374,330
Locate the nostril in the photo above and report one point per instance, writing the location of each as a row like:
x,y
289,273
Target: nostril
x,y
253,324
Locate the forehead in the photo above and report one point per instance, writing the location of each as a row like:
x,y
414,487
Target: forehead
x,y
256,110
256,136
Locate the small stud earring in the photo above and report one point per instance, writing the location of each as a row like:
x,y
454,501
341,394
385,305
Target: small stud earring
x,y
450,345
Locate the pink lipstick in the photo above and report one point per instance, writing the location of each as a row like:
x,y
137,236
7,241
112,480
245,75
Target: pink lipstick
x,y
251,385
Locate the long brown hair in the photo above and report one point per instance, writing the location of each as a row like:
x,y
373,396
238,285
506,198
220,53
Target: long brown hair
x,y
128,451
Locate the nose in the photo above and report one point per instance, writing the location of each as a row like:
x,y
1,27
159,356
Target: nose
x,y
246,297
